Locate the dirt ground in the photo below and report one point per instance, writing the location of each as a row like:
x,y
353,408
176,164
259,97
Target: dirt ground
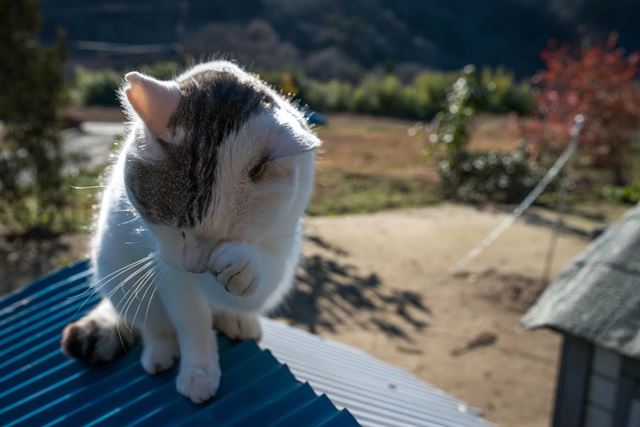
x,y
375,282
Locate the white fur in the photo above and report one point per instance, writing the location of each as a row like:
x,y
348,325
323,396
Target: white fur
x,y
250,241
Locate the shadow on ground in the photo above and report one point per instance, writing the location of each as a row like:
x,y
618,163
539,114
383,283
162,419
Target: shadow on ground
x,y
329,293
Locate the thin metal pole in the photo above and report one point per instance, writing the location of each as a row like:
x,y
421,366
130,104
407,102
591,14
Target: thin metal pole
x,y
566,155
561,207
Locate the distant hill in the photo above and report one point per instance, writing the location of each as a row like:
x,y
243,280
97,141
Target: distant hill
x,y
335,38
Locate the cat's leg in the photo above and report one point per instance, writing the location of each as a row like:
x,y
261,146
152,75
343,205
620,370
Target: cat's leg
x,y
238,326
146,312
199,375
98,337
160,349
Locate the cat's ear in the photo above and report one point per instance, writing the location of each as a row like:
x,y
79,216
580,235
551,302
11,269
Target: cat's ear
x,y
295,137
154,101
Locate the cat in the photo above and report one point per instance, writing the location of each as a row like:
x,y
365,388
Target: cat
x,y
199,226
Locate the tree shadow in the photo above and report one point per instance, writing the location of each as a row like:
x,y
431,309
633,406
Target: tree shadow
x,y
551,221
330,292
539,220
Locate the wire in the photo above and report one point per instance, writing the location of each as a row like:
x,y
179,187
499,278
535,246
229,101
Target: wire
x,y
525,204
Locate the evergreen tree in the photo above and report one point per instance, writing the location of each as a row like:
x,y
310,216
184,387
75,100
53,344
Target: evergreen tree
x,y
31,91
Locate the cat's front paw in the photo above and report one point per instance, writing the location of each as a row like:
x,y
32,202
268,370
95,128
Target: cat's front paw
x,y
235,266
198,383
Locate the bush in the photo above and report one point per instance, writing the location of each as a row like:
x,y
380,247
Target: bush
x,y
497,176
501,177
96,87
599,82
31,155
100,87
503,94
375,94
623,194
430,91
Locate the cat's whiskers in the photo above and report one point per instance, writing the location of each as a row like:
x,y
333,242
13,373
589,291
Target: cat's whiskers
x,y
93,289
148,286
129,221
111,276
160,270
132,294
125,281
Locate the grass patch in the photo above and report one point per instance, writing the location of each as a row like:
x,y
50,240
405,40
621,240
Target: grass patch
x,y
338,192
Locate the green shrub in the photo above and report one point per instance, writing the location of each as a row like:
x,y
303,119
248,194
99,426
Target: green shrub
x,y
430,91
163,70
375,94
623,194
497,176
98,87
501,177
31,156
503,94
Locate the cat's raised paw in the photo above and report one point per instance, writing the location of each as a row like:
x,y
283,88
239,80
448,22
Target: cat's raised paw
x,y
235,266
238,326
198,383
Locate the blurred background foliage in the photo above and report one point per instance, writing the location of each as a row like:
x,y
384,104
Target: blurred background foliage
x,y
405,60
504,177
378,94
32,162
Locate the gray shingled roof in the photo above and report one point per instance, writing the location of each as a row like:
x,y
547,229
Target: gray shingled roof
x,y
597,297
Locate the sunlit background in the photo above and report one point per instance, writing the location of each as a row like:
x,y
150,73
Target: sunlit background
x,y
438,118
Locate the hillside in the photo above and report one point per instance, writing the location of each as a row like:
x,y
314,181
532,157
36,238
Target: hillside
x,y
333,38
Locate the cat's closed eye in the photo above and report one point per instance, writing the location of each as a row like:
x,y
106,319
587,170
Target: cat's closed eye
x,y
258,170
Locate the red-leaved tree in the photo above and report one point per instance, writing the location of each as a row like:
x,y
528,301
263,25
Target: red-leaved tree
x,y
599,82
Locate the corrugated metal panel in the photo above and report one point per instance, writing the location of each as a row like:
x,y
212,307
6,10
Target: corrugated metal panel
x,y
377,394
39,386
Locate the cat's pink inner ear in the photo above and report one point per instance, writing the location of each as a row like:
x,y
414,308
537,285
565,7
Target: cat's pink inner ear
x,y
154,101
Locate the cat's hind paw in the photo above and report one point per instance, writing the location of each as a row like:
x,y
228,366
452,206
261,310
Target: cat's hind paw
x,y
158,356
238,326
95,341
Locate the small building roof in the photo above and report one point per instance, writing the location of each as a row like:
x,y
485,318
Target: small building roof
x,y
597,297
275,383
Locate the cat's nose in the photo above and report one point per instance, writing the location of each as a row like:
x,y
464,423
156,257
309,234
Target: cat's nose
x,y
195,257
195,264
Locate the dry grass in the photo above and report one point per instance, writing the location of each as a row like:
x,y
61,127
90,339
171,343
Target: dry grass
x,y
494,133
370,163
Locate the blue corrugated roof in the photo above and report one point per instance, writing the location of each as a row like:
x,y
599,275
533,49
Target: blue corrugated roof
x,y
39,386
268,385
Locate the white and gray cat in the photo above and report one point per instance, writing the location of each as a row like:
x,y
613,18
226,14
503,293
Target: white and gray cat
x,y
199,225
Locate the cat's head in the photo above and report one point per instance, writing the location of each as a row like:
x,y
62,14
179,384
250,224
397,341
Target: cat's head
x,y
215,156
